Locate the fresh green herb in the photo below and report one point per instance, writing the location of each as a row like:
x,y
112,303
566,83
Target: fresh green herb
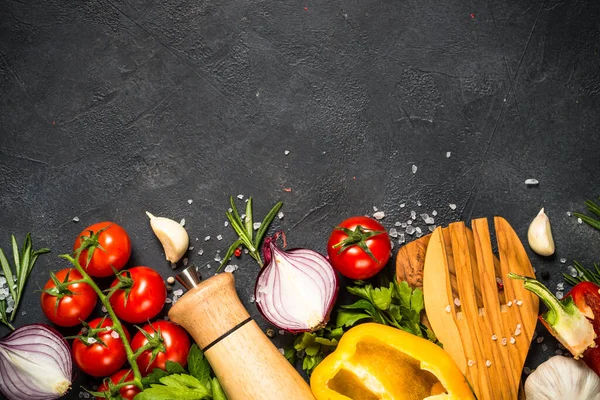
x,y
244,227
16,278
594,208
197,383
396,305
586,274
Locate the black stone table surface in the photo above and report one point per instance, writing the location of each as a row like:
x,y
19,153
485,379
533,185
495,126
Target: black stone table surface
x,y
111,108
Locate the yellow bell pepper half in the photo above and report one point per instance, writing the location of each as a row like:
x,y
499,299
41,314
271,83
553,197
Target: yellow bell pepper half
x,y
378,362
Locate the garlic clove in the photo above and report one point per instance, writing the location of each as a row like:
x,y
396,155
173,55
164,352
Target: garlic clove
x,y
173,237
539,235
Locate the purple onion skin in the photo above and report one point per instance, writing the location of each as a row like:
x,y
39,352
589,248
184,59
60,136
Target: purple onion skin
x,y
58,335
267,255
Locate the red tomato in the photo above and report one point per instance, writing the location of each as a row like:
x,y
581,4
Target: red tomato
x,y
143,300
345,252
68,304
110,246
100,360
176,342
128,392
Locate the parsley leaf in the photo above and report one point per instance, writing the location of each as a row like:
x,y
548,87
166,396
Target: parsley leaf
x,y
176,386
198,365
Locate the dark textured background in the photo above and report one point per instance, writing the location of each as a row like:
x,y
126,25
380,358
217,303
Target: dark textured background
x,y
111,108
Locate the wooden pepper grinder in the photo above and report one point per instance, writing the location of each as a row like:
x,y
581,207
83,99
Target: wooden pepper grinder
x,y
247,364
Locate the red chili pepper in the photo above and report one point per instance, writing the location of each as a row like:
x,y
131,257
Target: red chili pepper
x,y
237,252
586,296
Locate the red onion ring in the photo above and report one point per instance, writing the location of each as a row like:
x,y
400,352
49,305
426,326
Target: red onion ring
x,y
296,289
35,364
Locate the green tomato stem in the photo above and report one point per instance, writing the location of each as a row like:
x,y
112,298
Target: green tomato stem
x,y
117,326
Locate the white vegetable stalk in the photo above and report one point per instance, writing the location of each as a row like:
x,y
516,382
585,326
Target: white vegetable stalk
x,y
563,378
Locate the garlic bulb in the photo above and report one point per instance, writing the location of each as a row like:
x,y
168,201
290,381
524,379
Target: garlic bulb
x,y
539,235
173,237
562,378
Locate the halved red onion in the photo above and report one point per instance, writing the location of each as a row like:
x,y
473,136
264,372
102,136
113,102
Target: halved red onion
x,y
296,289
35,364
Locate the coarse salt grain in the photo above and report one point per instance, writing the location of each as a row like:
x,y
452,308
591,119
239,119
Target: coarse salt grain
x,y
185,261
104,309
579,220
91,340
231,268
114,334
75,219
191,248
432,228
286,152
418,203
401,238
531,182
409,222
219,237
182,222
170,280
448,308
559,294
375,209
379,215
256,225
452,206
414,169
494,337
207,238
397,223
393,232
470,363
252,298
240,196
563,260
519,303
413,215
572,271
448,154
503,341
488,363
512,340
226,223
402,205
509,303
410,230
200,252
457,302
280,215
434,213
190,201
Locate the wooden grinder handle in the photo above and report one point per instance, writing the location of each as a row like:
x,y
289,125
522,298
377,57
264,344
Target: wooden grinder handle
x,y
247,364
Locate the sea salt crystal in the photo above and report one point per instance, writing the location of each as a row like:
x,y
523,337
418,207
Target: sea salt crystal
x,y
185,261
569,213
494,337
75,219
418,203
579,221
457,302
559,294
424,216
448,308
470,363
178,292
286,152
414,169
434,213
200,252
432,228
91,340
207,238
413,215
243,217
397,223
393,232
531,182
572,271
114,334
218,258
544,347
563,260
280,215
519,303
401,238
208,266
191,248
104,309
409,222
379,215
375,209
240,196
448,154
404,225
419,234
429,221
252,298
402,205
23,312
418,230
410,230
182,222
560,286
256,225
503,341
540,339
226,223
231,268
512,340
488,363
452,206
190,201
509,303
219,237
392,244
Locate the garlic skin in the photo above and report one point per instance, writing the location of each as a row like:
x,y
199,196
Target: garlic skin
x,y
173,237
562,378
539,235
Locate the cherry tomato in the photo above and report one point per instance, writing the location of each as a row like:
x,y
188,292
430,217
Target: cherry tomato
x,y
144,299
96,359
359,247
110,246
176,342
128,392
68,304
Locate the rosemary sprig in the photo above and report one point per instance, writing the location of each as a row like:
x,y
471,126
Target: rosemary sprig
x,y
586,274
24,261
244,227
